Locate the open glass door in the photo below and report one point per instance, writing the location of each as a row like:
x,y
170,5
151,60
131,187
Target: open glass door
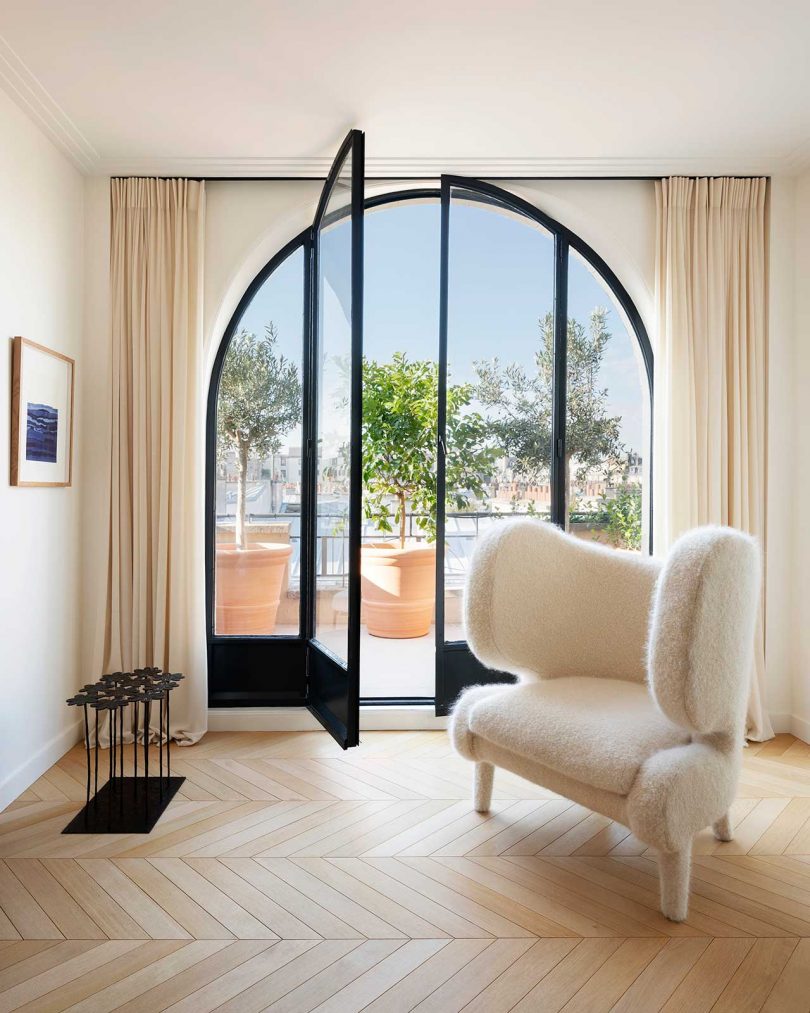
x,y
333,447
493,245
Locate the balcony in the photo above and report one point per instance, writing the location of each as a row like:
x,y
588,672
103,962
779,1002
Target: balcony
x,y
389,668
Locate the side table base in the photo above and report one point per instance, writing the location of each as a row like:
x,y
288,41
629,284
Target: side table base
x,y
125,805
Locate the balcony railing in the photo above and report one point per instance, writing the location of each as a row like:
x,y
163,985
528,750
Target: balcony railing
x,y
461,533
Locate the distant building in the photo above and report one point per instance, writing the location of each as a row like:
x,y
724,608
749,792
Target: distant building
x,y
635,467
508,491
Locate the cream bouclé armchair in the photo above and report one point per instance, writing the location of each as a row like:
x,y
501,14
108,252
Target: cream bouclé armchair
x,y
633,677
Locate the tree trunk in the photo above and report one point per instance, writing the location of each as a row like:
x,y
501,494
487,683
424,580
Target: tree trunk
x,y
402,520
241,491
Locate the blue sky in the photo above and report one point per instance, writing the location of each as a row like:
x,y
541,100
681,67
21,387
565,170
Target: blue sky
x,y
501,282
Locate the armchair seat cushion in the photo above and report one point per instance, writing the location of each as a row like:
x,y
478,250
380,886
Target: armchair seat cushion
x,y
599,731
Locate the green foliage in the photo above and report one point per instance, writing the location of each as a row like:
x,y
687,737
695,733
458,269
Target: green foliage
x,y
624,516
259,395
523,401
259,403
400,426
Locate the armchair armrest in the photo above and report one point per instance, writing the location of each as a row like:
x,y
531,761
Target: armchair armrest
x,y
702,632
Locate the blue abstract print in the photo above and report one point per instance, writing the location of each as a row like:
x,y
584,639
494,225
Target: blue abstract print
x,y
41,431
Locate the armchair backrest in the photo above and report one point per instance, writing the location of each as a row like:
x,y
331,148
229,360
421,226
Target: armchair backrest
x,y
543,604
702,629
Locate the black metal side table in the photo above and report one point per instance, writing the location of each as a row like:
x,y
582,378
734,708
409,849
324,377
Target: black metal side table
x,y
126,804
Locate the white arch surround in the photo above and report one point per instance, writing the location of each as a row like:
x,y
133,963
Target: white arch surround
x,y
616,218
248,223
239,243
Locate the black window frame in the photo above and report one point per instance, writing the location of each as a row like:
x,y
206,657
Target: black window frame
x,y
290,671
456,665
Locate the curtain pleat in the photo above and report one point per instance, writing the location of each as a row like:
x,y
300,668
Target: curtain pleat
x,y
155,578
711,371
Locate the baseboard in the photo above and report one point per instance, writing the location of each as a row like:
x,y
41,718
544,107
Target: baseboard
x,y
781,722
298,719
800,727
35,766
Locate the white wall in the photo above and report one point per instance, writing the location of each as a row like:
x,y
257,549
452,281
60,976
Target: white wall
x,y
798,484
96,429
782,448
41,254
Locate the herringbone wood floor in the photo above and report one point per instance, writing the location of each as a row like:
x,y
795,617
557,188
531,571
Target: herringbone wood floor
x,y
288,875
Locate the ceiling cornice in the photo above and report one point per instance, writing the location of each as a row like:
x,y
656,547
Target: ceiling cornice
x,y
18,81
432,168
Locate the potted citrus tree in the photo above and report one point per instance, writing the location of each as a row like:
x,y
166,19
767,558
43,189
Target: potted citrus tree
x,y
400,419
259,403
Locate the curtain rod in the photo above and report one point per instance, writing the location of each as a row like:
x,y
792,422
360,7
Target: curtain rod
x,y
384,179
375,179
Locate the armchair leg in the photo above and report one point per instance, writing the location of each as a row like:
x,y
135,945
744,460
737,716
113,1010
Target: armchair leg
x,y
484,776
673,874
722,828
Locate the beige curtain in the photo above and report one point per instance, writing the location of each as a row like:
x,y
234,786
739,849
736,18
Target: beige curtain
x,y
155,583
711,363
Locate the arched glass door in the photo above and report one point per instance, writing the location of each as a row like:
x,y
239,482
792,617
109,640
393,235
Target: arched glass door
x,y
559,376
335,487
283,484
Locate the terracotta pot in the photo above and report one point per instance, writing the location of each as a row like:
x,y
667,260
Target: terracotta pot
x,y
248,588
398,589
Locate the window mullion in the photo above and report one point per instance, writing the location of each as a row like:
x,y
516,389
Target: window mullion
x,y
559,381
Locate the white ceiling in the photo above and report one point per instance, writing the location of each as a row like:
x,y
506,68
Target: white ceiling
x,y
573,87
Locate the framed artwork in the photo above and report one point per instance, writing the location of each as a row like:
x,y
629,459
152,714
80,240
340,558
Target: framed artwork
x,y
41,415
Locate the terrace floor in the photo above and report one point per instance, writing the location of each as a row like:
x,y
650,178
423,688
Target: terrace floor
x,y
395,668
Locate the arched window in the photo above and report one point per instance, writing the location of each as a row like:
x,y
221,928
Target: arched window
x,y
258,475
543,377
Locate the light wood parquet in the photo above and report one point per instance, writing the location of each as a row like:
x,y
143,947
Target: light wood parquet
x,y
289,875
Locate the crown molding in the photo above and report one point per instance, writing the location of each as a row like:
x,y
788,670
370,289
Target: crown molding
x,y
432,168
21,85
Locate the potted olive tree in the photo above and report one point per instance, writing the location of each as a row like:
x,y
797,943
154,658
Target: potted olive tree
x,y
400,407
259,403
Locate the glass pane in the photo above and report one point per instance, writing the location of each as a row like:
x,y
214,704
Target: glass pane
x,y
258,482
400,406
499,383
607,417
333,425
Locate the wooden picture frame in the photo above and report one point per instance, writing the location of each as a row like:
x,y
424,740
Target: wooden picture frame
x,y
42,385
